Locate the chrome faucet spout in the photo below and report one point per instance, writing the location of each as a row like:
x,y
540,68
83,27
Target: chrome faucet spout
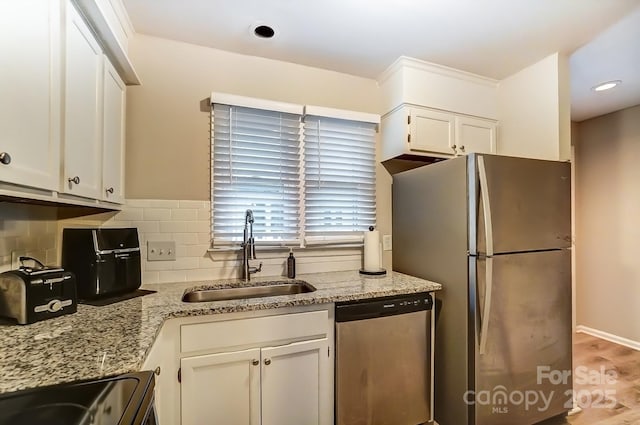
x,y
248,234
248,247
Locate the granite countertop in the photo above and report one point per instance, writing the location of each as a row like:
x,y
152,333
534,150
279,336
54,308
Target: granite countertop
x,y
114,339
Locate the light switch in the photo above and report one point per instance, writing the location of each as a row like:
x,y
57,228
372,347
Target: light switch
x,y
386,242
161,251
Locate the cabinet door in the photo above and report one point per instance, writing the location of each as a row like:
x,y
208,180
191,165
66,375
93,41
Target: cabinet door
x,y
475,135
221,388
83,113
295,381
431,131
30,86
113,135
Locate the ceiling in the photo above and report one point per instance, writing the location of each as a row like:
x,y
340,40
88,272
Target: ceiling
x,y
493,38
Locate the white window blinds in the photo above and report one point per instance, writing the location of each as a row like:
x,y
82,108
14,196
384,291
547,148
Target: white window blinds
x,y
339,180
308,181
255,165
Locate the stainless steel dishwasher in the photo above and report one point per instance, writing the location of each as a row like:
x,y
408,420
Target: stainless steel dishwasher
x,y
384,361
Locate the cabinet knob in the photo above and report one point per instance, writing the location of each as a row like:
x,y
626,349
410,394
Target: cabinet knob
x,y
462,148
157,371
5,158
453,147
110,190
255,362
75,180
267,362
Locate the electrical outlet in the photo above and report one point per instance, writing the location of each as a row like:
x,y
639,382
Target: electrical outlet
x,y
386,242
161,251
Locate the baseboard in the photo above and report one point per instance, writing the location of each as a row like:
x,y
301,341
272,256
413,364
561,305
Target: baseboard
x,y
609,337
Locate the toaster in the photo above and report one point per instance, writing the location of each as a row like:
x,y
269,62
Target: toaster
x,y
31,294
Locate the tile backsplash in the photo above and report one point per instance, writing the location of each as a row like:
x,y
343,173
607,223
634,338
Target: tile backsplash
x,y
187,223
27,230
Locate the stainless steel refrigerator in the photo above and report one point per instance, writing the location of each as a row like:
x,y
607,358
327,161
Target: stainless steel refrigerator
x,y
496,232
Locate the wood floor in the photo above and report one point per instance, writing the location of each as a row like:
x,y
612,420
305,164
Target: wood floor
x,y
616,402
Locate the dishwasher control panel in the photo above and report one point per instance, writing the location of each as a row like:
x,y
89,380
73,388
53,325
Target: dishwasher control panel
x,y
381,307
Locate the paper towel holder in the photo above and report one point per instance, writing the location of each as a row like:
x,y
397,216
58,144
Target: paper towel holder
x,y
373,272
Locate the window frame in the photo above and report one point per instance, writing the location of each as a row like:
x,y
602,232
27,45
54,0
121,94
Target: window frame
x,y
303,111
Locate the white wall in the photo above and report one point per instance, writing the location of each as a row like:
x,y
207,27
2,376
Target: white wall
x,y
534,111
168,151
608,225
168,117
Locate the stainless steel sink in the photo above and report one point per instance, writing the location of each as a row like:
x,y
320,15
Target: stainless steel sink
x,y
261,289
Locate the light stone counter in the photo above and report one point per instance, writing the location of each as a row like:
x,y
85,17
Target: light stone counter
x,y
114,339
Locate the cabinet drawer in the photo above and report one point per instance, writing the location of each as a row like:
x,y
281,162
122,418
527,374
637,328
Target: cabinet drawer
x,y
253,331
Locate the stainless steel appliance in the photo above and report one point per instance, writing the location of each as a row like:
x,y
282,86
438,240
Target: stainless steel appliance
x,y
384,361
120,400
33,293
496,232
106,262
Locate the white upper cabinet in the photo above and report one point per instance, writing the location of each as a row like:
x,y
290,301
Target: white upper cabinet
x,y
430,131
62,108
475,135
83,110
436,111
111,23
30,100
113,135
414,130
529,111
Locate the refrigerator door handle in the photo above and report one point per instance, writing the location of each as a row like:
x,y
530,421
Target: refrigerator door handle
x,y
486,311
486,206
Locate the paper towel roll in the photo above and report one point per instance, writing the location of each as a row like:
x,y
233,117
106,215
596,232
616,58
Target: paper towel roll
x,y
372,251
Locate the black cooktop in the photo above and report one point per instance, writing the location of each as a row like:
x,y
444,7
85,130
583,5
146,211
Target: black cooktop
x,y
105,402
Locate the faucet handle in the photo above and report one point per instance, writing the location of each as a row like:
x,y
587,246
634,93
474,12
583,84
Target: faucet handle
x,y
255,269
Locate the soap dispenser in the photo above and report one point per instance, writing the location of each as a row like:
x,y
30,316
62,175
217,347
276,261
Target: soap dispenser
x,y
291,265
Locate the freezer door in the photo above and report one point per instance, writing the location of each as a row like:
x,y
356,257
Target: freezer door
x,y
523,335
520,204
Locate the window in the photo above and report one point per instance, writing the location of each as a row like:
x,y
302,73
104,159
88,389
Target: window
x,y
339,179
309,179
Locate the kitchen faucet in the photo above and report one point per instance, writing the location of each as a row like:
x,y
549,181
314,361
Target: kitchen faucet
x,y
248,248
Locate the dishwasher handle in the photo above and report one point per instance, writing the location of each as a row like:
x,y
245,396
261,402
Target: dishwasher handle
x,y
383,307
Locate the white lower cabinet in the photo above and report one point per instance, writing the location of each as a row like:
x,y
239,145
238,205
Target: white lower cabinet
x,y
273,368
280,385
221,388
293,381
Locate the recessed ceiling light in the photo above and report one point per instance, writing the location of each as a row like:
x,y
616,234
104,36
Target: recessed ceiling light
x,y
606,86
264,31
